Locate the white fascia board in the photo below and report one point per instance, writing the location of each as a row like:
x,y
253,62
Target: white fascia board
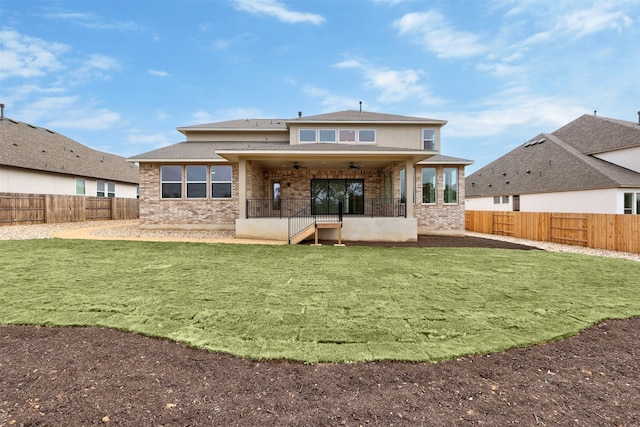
x,y
198,160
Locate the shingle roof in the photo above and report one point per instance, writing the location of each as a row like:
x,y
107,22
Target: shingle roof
x,y
364,116
30,147
243,124
207,150
349,116
594,134
548,162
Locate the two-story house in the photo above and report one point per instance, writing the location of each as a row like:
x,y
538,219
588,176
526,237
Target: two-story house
x,y
367,176
590,165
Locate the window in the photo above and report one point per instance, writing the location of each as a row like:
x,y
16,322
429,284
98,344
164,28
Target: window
x,y
628,203
307,135
403,188
451,185
100,190
428,139
221,182
505,199
347,135
327,194
196,182
327,135
638,203
429,184
367,135
80,187
496,200
106,189
111,189
171,182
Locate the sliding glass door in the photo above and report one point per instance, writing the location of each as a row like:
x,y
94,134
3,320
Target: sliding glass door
x,y
327,193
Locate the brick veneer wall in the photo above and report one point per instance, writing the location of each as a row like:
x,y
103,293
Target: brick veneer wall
x,y
296,184
440,217
157,211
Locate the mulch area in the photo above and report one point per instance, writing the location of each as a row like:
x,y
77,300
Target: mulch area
x,y
94,376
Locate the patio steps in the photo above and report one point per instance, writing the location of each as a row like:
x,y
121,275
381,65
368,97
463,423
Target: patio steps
x,y
313,230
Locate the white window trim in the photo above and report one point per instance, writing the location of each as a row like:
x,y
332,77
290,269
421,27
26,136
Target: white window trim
x,y
435,142
187,182
375,136
182,190
335,136
300,141
355,136
435,175
220,182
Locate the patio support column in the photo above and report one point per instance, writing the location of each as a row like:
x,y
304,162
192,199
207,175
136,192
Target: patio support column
x,y
242,189
410,190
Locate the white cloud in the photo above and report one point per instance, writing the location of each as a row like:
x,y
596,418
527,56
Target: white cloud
x,y
68,112
390,2
392,85
95,66
234,113
432,31
159,73
330,101
508,111
278,10
26,57
91,21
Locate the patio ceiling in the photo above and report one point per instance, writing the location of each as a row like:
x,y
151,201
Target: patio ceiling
x,y
334,161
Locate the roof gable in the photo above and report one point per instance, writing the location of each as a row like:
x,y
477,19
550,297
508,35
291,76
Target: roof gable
x,y
30,147
546,164
591,134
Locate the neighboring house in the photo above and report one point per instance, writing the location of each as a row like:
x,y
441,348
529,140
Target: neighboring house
x,y
34,160
272,178
591,165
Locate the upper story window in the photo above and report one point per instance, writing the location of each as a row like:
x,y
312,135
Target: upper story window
x,y
106,189
80,187
367,135
171,182
327,135
428,139
221,176
307,135
196,181
347,135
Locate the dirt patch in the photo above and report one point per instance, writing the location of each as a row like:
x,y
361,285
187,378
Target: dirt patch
x,y
437,242
94,376
89,376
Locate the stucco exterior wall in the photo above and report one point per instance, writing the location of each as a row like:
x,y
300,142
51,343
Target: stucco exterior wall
x,y
406,136
628,158
602,201
24,181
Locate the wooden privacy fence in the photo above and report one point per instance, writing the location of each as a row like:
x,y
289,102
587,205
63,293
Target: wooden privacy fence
x,y
598,231
22,209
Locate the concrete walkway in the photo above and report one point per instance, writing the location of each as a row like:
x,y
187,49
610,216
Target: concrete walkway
x,y
92,233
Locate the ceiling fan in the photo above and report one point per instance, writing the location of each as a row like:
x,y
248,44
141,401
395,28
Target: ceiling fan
x,y
298,166
354,166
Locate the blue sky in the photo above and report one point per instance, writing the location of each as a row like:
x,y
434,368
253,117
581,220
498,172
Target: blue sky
x,y
120,76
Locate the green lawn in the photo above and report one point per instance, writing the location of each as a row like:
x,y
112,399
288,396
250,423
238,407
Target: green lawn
x,y
315,303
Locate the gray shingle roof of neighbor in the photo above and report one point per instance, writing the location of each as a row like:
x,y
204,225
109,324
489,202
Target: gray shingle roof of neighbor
x,y
561,161
30,147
